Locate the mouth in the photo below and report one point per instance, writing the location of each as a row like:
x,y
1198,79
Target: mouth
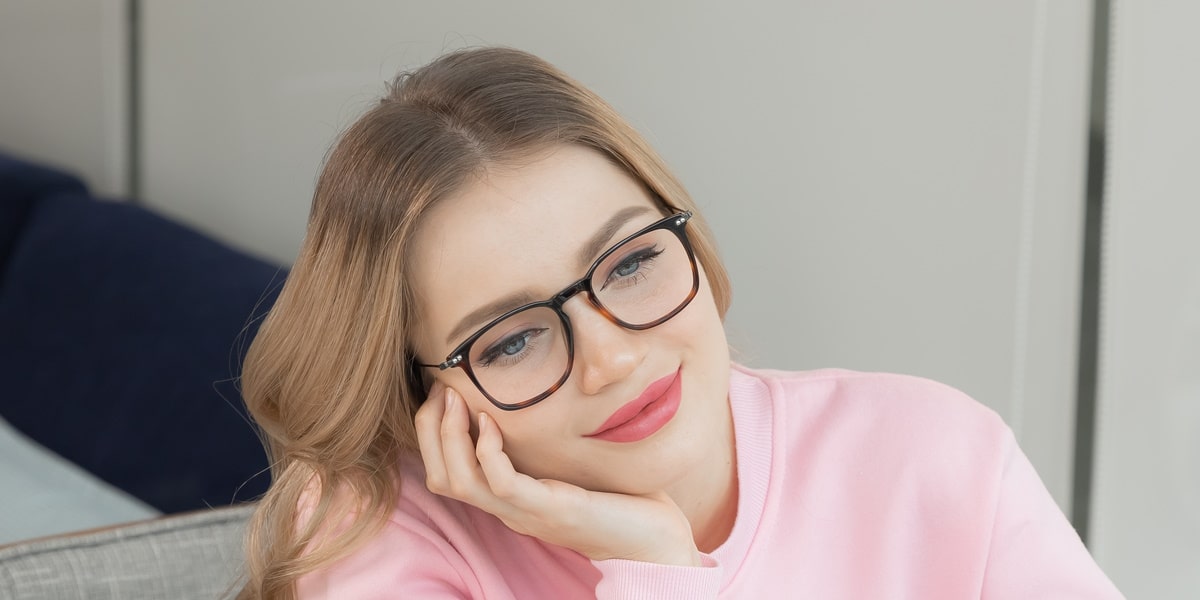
x,y
643,416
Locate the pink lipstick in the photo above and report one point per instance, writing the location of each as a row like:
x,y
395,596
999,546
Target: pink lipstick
x,y
643,416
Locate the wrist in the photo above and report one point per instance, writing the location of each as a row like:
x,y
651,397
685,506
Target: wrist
x,y
679,556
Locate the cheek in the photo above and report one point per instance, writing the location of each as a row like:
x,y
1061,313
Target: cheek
x,y
537,439
700,325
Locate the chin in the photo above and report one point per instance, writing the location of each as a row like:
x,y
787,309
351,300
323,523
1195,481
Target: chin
x,y
659,463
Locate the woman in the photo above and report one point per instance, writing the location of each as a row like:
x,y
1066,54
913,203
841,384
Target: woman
x,y
498,370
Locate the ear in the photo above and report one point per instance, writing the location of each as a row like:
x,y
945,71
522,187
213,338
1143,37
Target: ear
x,y
419,383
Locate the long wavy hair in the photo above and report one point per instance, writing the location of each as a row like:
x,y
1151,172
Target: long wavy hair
x,y
329,377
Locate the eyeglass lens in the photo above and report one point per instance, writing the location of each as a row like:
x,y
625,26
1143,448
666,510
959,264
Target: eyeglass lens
x,y
639,282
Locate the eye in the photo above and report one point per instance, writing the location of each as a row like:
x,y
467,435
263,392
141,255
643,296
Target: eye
x,y
511,349
514,345
629,267
633,267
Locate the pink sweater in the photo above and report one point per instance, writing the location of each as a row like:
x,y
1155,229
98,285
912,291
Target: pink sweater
x,y
851,485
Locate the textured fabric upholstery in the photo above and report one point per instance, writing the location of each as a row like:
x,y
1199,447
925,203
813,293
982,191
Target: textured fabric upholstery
x,y
194,555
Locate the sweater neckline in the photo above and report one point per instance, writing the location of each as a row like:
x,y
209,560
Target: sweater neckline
x,y
751,407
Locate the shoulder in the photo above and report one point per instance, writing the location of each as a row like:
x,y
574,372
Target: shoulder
x,y
883,424
423,543
452,545
882,453
886,400
857,386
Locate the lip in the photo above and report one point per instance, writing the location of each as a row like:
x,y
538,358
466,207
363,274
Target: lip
x,y
645,415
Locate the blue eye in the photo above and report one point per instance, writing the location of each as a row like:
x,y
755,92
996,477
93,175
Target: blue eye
x,y
513,345
629,267
633,268
512,349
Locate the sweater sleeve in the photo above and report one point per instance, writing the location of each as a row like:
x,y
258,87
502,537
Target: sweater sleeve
x,y
396,564
633,580
1034,551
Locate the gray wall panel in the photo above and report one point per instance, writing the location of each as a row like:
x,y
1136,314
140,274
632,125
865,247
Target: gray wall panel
x,y
1146,525
895,188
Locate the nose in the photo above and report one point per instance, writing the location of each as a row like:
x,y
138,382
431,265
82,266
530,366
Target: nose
x,y
605,352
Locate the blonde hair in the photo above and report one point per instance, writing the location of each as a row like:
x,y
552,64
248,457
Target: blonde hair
x,y
329,377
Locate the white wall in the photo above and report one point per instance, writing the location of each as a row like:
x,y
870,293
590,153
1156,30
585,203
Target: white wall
x,y
62,87
894,188
1146,515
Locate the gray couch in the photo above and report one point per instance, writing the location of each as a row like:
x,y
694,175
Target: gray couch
x,y
192,555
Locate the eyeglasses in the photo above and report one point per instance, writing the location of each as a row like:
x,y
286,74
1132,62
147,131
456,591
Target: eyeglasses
x,y
526,354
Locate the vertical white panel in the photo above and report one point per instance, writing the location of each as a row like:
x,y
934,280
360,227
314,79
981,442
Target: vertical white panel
x,y
63,87
896,187
1146,528
1046,289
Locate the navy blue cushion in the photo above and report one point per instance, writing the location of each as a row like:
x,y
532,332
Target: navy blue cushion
x,y
21,184
120,336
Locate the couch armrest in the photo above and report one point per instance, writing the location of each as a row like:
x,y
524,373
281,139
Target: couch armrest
x,y
191,555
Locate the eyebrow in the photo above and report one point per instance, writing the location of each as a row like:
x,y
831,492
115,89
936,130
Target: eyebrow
x,y
490,309
604,235
587,252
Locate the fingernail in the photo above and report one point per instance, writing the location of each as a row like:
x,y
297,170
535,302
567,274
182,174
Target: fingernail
x,y
482,418
450,398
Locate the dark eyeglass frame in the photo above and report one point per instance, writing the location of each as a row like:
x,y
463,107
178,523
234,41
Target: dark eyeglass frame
x,y
458,357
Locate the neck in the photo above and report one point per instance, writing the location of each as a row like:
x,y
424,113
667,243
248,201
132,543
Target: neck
x,y
713,511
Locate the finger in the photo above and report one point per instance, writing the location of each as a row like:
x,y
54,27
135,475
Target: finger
x,y
465,478
503,480
428,423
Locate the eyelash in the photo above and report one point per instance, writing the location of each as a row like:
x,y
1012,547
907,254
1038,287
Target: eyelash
x,y
645,256
494,353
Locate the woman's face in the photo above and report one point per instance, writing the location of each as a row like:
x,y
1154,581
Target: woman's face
x,y
519,234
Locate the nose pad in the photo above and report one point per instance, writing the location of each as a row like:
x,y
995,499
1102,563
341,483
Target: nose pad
x,y
605,352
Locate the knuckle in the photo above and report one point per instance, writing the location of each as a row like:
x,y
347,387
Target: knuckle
x,y
519,527
459,489
435,484
421,420
426,421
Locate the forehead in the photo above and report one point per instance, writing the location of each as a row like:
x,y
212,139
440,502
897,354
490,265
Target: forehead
x,y
515,229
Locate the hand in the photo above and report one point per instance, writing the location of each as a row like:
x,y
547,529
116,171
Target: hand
x,y
599,525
